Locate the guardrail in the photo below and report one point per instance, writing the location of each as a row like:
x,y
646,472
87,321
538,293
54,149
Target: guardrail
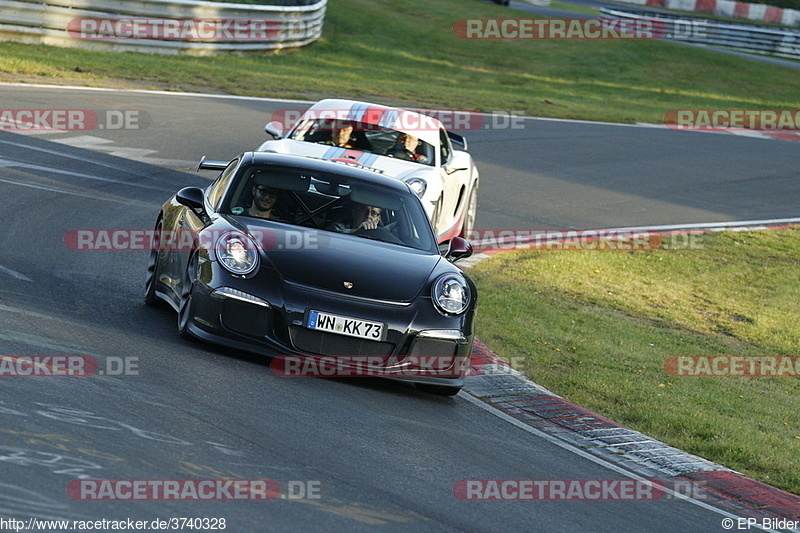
x,y
746,37
162,26
728,8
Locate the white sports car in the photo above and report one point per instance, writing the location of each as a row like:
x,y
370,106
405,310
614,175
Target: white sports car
x,y
406,145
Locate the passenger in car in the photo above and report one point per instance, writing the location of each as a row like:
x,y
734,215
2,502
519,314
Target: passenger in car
x,y
405,147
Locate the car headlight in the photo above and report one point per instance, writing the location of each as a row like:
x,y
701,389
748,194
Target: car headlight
x,y
237,253
451,294
418,185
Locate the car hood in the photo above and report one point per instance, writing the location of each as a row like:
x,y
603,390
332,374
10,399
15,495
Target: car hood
x,y
391,166
328,261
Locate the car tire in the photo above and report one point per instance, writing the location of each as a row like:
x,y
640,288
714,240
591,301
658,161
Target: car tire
x,y
151,279
185,307
470,213
438,390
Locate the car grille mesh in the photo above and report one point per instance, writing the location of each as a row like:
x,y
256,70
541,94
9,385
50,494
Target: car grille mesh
x,y
246,318
434,347
323,343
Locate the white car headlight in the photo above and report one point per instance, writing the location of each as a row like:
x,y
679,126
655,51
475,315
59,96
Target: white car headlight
x,y
418,185
237,253
451,294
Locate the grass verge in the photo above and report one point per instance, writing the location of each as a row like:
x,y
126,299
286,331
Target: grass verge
x,y
596,327
405,52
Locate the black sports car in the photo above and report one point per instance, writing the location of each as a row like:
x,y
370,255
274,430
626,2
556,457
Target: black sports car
x,y
304,259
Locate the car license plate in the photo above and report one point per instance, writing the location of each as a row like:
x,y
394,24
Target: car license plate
x,y
343,325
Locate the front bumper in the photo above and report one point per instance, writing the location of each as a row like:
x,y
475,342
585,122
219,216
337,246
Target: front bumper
x,y
421,346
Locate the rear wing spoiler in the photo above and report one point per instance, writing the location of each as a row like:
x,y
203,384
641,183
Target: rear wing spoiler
x,y
208,164
455,138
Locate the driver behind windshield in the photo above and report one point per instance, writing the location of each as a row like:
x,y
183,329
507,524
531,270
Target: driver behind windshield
x,y
360,216
405,147
264,198
340,134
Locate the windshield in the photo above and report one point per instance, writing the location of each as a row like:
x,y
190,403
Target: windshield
x,y
366,138
330,202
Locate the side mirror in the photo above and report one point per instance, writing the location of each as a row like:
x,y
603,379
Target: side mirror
x,y
459,248
274,129
459,162
191,197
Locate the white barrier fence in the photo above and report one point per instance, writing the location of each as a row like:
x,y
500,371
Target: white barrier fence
x,y
162,26
775,41
728,8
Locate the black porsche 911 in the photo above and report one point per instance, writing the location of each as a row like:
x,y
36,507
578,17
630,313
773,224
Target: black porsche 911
x,y
304,259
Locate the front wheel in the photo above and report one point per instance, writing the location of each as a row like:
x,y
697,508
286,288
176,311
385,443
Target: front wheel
x,y
185,309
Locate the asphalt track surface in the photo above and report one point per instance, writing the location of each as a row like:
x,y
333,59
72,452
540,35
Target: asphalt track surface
x,y
384,456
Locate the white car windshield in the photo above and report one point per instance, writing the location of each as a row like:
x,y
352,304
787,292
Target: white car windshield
x,y
366,138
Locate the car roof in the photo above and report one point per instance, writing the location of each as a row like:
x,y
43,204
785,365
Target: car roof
x,y
323,165
403,120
